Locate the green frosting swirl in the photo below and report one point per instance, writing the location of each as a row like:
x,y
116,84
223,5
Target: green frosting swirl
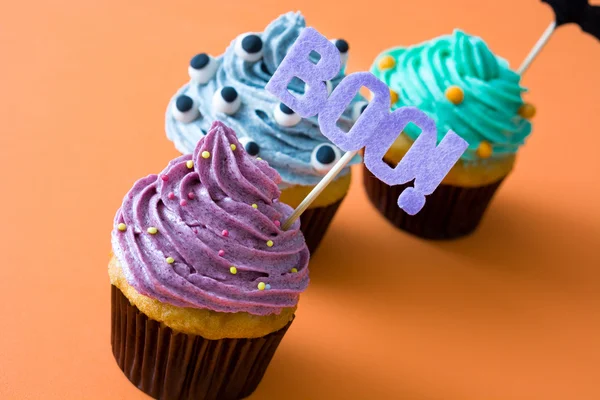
x,y
492,93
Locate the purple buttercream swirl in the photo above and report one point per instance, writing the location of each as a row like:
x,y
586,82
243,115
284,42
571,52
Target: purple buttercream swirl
x,y
207,222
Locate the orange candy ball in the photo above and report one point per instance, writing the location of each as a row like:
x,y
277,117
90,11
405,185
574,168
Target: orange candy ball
x,y
394,97
386,62
527,111
484,150
455,95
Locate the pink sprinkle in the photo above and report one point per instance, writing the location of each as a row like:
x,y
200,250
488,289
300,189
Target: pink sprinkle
x,y
277,223
191,195
195,230
225,232
164,178
171,196
221,253
183,202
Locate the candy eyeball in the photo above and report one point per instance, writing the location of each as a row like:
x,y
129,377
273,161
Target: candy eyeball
x,y
324,157
185,109
343,48
202,68
285,116
249,47
251,147
358,108
226,100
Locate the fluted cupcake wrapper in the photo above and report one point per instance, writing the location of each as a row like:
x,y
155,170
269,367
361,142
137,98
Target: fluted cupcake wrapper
x,y
450,212
170,365
314,223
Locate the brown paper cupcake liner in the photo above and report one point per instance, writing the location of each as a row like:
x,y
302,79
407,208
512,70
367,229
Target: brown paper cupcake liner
x,y
449,212
314,223
171,365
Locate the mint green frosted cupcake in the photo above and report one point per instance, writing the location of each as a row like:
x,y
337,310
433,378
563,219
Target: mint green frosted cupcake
x,y
464,87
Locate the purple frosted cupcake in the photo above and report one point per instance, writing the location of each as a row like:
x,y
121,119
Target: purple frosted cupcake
x,y
204,281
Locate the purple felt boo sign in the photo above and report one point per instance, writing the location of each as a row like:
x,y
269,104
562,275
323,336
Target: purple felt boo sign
x,y
376,129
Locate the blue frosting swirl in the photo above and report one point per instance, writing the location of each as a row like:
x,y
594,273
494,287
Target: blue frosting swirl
x,y
287,149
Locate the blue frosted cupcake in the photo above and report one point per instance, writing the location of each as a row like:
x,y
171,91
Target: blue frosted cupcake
x,y
231,88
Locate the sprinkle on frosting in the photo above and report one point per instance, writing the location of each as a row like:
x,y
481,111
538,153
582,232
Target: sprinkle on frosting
x,y
488,91
261,286
183,202
233,270
268,286
233,147
152,230
205,154
165,177
189,164
221,253
246,71
455,95
294,270
277,223
254,205
171,196
386,62
122,227
191,195
269,243
393,97
218,218
527,111
484,150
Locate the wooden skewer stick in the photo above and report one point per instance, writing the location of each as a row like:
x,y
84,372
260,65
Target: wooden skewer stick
x,y
337,168
539,46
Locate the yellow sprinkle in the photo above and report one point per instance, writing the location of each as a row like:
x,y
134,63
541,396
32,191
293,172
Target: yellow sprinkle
x,y
527,111
258,158
233,146
270,243
484,150
393,97
205,154
170,260
294,270
386,62
261,286
254,206
455,95
189,164
122,227
233,270
152,230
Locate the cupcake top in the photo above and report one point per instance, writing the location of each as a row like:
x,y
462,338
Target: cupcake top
x,y
463,86
231,88
205,233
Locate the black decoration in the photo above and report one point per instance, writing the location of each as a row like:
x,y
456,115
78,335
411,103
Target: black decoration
x,y
285,109
325,155
579,12
199,61
184,103
229,94
342,45
252,148
252,44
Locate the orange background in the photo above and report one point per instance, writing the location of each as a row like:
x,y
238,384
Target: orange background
x,y
512,312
